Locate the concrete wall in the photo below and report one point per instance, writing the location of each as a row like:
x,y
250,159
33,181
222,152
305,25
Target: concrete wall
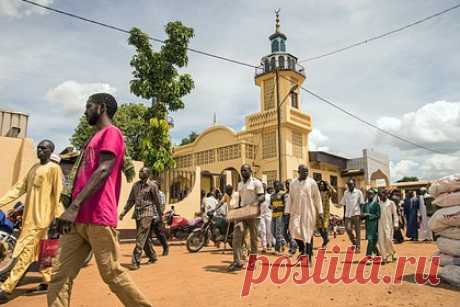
x,y
376,161
190,205
17,157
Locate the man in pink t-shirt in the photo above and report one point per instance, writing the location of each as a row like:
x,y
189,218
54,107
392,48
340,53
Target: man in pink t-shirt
x,y
89,222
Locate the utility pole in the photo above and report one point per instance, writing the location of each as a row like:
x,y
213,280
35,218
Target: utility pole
x,y
278,118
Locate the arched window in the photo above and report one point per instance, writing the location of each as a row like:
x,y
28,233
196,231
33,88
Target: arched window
x,y
291,63
275,46
266,65
283,46
281,62
273,63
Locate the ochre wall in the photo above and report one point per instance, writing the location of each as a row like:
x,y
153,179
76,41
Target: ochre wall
x,y
191,204
17,157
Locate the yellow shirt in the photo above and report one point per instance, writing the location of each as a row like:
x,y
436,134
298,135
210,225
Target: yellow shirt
x,y
42,186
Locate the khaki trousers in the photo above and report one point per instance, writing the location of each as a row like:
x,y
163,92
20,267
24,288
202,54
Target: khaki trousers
x,y
23,261
238,236
75,247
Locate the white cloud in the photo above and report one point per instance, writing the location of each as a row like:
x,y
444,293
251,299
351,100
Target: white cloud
x,y
71,95
440,165
435,125
426,168
15,8
318,140
403,168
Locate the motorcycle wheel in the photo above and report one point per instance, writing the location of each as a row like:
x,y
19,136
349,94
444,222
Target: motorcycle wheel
x,y
195,241
7,243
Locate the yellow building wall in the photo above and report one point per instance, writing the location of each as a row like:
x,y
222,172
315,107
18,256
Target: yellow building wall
x,y
128,222
190,206
17,157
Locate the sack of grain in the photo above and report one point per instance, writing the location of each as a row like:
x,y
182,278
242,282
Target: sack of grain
x,y
445,218
447,199
445,259
450,274
445,185
449,246
451,233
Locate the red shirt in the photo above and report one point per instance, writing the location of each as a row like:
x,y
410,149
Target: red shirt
x,y
101,207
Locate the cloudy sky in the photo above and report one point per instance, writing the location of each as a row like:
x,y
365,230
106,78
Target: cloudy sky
x,y
406,83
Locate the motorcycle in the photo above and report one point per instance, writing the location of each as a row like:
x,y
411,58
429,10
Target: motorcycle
x,y
179,227
10,228
216,228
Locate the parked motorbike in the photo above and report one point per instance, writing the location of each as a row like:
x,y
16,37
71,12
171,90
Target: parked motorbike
x,y
10,228
179,227
216,228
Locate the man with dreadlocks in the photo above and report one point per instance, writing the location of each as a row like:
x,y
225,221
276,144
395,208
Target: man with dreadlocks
x,y
90,221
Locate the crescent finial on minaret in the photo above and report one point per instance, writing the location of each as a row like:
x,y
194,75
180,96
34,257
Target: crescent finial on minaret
x,y
277,26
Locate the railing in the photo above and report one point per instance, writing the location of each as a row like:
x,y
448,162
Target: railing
x,y
297,68
261,118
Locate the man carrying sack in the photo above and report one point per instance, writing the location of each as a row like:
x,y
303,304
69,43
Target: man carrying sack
x,y
251,193
42,186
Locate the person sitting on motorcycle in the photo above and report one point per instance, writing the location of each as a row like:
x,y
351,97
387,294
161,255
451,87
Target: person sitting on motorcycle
x,y
221,213
42,186
210,202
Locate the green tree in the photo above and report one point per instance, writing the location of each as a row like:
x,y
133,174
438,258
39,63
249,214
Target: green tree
x,y
190,138
156,78
130,118
408,179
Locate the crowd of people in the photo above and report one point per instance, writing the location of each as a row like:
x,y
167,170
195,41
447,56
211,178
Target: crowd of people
x,y
293,211
84,213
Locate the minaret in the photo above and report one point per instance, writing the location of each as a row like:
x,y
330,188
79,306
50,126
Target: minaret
x,y
279,59
280,127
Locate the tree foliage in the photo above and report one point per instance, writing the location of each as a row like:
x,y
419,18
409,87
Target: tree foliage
x,y
408,179
130,118
156,78
190,138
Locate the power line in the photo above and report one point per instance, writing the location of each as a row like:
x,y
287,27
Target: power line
x,y
373,125
373,38
115,28
369,123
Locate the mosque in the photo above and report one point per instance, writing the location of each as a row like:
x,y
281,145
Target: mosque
x,y
275,140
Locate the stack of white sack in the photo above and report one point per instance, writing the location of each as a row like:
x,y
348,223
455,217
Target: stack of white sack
x,y
445,223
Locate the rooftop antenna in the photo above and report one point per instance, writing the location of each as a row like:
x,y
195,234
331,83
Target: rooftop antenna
x,y
214,119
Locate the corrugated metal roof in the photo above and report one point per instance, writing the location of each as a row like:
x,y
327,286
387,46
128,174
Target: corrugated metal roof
x,y
7,110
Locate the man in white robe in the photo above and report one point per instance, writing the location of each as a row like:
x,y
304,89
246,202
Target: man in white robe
x,y
424,233
304,206
387,223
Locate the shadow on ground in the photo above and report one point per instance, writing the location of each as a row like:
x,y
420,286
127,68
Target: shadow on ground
x,y
218,269
443,285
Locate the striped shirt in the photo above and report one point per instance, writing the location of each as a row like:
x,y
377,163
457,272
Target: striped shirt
x,y
145,199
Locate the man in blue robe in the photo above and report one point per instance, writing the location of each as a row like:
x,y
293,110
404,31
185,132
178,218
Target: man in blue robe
x,y
411,212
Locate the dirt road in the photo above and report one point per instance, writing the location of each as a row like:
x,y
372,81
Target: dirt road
x,y
184,279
